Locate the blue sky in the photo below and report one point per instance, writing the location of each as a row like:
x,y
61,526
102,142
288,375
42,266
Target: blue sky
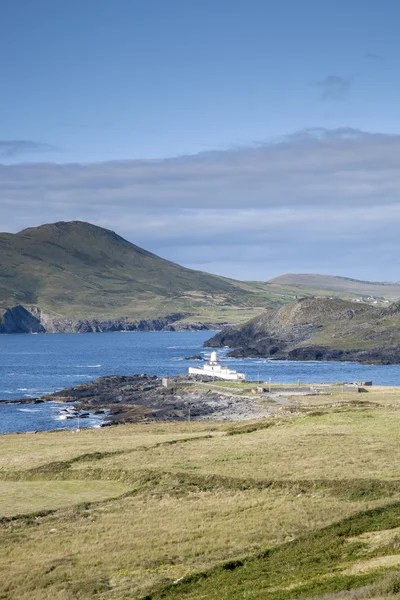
x,y
161,104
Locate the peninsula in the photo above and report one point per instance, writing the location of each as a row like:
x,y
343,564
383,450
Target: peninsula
x,y
318,329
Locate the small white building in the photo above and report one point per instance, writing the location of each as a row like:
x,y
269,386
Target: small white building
x,y
213,368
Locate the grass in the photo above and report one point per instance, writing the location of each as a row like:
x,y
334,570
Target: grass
x,y
226,384
33,496
29,451
303,505
344,444
323,285
312,565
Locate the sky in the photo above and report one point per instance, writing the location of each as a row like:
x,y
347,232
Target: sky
x,y
247,138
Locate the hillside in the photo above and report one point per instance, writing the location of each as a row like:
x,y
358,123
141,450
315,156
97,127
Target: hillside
x,y
296,506
74,276
307,284
319,329
74,270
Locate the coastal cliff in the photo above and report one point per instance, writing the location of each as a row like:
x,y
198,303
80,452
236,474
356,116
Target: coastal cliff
x,y
21,319
318,329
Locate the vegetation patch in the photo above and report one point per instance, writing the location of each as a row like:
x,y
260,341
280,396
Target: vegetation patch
x,y
304,568
251,427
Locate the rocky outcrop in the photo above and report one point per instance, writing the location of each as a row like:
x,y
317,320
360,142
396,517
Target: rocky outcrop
x,y
20,319
379,355
318,329
57,325
144,398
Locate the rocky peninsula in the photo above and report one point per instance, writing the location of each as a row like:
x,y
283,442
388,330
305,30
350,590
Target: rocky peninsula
x,y
318,329
146,398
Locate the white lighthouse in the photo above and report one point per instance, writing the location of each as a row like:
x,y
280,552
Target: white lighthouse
x,y
213,368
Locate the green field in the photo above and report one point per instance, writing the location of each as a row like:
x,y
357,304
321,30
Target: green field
x,y
343,287
302,505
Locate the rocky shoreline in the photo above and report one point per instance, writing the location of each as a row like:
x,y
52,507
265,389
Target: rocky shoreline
x,y
144,398
21,319
373,356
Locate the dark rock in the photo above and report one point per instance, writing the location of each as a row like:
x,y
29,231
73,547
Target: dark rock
x,y
19,320
137,398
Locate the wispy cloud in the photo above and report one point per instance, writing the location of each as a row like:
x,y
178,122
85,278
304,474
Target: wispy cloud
x,y
10,148
374,57
319,199
335,87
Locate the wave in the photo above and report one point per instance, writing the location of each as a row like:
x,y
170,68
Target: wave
x,y
28,409
12,374
181,347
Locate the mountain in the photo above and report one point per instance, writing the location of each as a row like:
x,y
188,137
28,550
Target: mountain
x,y
74,276
73,272
319,329
306,284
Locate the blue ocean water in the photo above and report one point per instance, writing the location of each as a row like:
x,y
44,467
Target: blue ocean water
x,y
33,365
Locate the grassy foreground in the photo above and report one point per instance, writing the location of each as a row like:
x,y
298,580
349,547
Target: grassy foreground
x,y
303,505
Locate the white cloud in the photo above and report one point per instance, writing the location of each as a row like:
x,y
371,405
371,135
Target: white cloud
x,y
318,197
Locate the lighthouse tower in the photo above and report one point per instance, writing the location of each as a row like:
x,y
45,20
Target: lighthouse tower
x,y
213,358
213,368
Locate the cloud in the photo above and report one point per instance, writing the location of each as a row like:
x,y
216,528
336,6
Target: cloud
x,y
374,57
335,87
316,200
10,148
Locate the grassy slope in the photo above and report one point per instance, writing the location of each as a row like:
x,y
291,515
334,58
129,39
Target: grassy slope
x,y
369,327
360,333
168,500
323,285
77,269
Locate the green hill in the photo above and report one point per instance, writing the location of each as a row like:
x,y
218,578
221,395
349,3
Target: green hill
x,y
306,284
77,270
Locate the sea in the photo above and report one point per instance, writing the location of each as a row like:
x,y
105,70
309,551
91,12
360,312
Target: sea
x,y
37,364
